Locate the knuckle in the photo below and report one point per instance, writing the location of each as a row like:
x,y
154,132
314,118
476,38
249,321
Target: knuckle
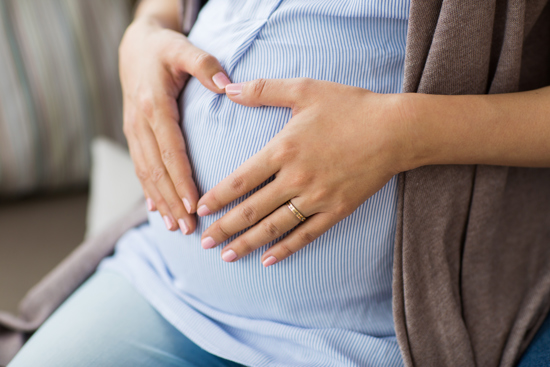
x,y
171,156
248,214
174,206
180,186
224,232
301,88
142,174
146,104
341,210
286,249
320,195
299,179
158,174
202,61
306,236
213,198
270,229
161,204
245,246
258,87
238,184
286,151
280,155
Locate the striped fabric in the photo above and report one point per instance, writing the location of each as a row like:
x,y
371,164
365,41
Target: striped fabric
x,y
329,304
59,88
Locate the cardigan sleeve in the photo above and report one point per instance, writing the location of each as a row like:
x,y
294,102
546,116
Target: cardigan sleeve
x,y
189,10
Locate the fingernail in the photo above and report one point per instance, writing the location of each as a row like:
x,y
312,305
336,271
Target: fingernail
x,y
234,89
229,256
150,205
221,80
207,243
203,210
187,205
183,226
168,221
269,261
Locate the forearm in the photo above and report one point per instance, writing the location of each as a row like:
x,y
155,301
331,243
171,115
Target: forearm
x,y
166,13
506,129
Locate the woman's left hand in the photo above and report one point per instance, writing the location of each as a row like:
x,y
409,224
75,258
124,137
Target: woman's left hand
x,y
341,146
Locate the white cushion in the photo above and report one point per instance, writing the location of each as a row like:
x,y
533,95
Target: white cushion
x,y
114,187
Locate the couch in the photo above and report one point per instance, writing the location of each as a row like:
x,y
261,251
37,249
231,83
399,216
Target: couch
x,y
61,141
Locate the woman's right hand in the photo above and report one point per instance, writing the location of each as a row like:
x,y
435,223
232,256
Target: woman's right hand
x,y
155,63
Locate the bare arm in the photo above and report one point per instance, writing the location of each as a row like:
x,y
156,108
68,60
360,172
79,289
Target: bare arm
x,y
502,129
344,143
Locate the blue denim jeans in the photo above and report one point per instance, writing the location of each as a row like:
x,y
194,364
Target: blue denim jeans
x,y
107,323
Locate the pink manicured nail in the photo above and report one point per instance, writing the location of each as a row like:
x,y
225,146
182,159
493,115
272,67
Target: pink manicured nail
x,y
168,221
203,210
151,205
207,243
187,205
221,80
183,226
234,89
229,256
270,261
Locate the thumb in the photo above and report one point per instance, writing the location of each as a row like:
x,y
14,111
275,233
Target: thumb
x,y
270,92
203,66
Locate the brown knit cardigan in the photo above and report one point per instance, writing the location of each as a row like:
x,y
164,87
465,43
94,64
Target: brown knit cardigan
x,y
472,251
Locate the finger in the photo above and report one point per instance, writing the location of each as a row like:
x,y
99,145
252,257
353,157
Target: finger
x,y
141,170
151,206
304,234
171,143
128,126
246,214
249,175
164,210
152,194
274,226
271,92
161,181
203,66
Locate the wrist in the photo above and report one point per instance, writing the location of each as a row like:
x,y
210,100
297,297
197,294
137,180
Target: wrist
x,y
506,129
449,129
429,123
409,123
150,21
159,14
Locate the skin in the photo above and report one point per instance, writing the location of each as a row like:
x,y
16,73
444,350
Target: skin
x,y
156,61
345,143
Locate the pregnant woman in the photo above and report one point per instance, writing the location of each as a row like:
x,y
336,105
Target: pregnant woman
x,y
293,120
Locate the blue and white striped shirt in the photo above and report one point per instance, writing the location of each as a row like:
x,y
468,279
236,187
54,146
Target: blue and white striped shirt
x,y
330,303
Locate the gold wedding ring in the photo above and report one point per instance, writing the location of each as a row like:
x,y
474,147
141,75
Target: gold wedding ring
x,y
296,211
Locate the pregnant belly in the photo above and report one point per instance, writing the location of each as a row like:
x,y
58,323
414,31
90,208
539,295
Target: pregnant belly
x,y
346,271
345,275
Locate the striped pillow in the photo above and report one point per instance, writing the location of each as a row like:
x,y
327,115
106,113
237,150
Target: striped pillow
x,y
59,88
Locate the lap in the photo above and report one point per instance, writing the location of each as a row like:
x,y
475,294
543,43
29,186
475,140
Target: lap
x,y
106,322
